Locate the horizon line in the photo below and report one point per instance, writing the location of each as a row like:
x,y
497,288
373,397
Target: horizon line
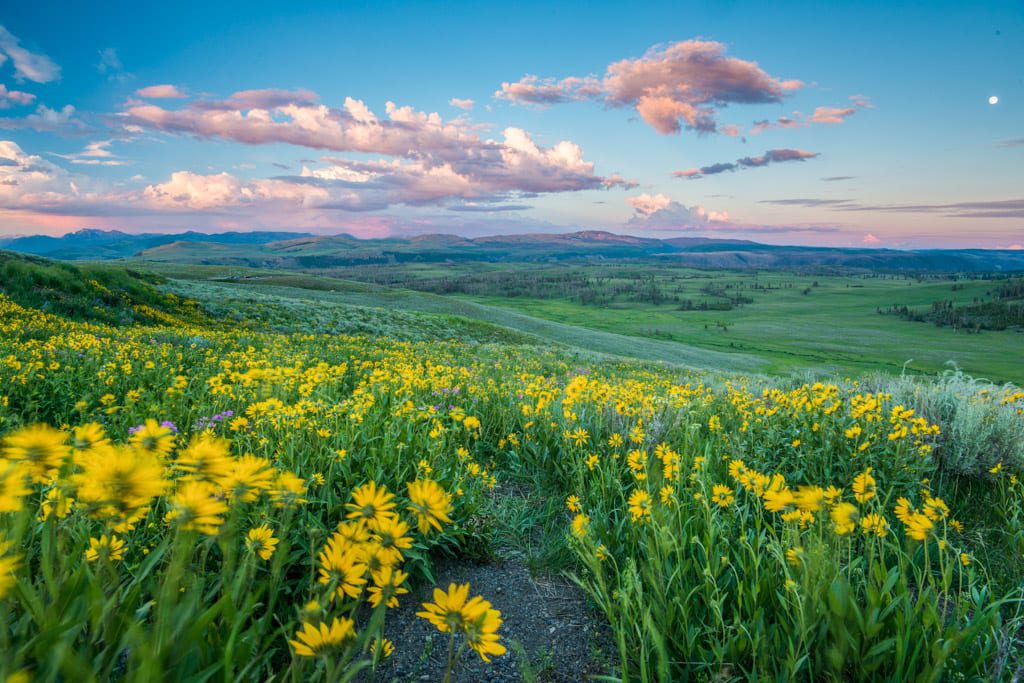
x,y
6,239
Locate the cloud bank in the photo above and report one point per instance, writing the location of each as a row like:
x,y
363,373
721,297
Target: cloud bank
x,y
428,159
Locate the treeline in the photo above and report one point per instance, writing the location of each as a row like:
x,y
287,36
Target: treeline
x,y
974,317
1014,289
589,288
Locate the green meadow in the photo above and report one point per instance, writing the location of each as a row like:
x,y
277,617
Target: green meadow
x,y
786,323
833,327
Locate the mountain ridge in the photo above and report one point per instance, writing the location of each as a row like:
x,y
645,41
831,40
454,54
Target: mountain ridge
x,y
302,250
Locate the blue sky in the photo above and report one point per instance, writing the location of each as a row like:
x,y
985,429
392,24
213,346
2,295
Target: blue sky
x,y
888,100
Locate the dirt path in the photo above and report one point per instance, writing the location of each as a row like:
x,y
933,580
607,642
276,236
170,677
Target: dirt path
x,y
559,638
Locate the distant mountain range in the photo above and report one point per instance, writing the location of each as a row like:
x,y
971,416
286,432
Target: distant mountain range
x,y
111,244
303,250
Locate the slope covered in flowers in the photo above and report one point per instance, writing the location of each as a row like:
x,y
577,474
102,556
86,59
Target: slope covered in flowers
x,y
186,502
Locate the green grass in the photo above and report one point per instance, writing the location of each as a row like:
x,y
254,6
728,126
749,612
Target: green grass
x,y
314,289
832,328
835,329
287,309
92,292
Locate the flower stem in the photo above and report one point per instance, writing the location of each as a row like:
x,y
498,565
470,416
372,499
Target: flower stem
x,y
451,658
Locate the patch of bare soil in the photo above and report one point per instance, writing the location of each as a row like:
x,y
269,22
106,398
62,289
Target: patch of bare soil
x,y
550,632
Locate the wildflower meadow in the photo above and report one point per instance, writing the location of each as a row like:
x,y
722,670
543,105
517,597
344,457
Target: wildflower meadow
x,y
185,499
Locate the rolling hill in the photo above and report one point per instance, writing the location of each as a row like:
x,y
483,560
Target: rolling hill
x,y
305,251
110,244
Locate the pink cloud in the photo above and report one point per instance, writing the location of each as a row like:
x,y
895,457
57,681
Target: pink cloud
x,y
660,212
663,113
353,128
647,204
832,114
161,92
772,156
369,186
871,239
781,122
531,89
521,167
695,71
461,103
861,101
31,183
265,98
448,153
449,170
192,191
670,86
12,98
822,115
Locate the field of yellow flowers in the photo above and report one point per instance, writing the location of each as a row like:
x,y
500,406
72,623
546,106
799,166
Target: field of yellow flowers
x,y
187,500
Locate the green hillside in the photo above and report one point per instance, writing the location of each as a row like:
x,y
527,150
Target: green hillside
x,y
90,292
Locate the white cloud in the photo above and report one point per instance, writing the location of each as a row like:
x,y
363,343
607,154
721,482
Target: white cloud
x,y
110,65
660,212
193,191
95,154
46,120
444,158
647,204
26,176
28,65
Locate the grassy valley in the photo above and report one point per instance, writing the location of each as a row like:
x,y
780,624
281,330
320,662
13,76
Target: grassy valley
x,y
781,322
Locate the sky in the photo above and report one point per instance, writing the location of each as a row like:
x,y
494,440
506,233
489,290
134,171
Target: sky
x,y
862,124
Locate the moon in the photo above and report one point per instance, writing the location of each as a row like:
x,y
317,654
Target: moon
x,y
993,100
